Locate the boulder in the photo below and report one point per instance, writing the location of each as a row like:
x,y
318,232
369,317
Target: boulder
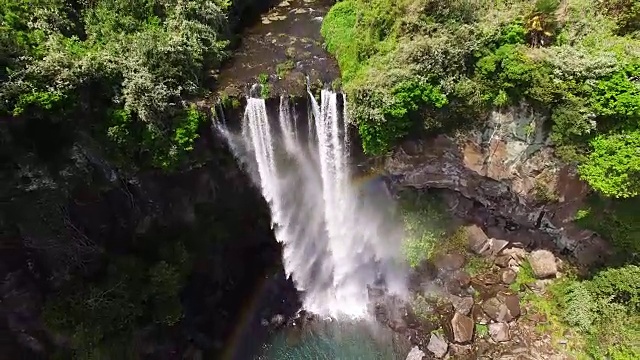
x,y
462,327
497,245
462,277
478,315
508,276
543,263
499,332
503,261
415,354
462,305
437,345
478,242
503,307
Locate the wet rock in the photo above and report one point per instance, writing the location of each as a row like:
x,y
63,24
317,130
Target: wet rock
x,y
543,263
499,332
437,345
508,276
462,305
462,327
502,308
478,242
415,354
450,262
277,320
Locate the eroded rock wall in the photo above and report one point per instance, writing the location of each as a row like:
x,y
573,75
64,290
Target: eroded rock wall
x,y
509,167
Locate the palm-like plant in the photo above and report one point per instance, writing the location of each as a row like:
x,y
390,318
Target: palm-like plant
x,y
542,23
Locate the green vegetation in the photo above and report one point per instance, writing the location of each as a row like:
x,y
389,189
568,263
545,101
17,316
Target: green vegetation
x,y
119,70
117,80
477,265
101,316
430,66
284,68
424,224
525,277
617,220
415,67
482,331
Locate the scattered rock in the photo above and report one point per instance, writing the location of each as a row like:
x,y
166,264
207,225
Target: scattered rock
x,y
415,354
508,276
462,327
450,262
497,245
479,316
437,345
499,332
462,277
503,261
543,263
462,305
503,307
512,303
478,240
517,254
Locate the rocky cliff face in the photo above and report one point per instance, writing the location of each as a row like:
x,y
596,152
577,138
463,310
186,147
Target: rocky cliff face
x,y
509,168
65,215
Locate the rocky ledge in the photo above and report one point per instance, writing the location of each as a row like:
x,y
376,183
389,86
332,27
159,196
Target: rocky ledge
x,y
509,168
454,314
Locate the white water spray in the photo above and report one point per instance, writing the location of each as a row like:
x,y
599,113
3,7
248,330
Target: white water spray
x,y
337,238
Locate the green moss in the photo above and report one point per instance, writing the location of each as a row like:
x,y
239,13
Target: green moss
x,y
284,68
481,331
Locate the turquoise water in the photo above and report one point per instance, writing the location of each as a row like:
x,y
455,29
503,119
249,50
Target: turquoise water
x,y
336,341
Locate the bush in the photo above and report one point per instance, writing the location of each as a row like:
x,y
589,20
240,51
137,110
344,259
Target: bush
x,y
620,286
580,308
613,166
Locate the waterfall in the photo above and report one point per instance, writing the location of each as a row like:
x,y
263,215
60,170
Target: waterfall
x,y
338,239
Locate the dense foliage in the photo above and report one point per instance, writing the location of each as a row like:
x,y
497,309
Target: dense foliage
x,y
432,65
120,76
117,69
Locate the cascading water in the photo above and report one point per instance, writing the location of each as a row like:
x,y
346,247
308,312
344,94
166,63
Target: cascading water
x,y
337,239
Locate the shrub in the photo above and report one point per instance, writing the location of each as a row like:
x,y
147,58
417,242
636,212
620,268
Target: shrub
x,y
580,307
620,286
613,166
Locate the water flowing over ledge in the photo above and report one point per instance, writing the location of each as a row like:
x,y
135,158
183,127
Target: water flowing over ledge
x,y
339,238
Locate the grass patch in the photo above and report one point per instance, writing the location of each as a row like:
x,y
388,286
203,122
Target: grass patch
x,y
524,278
482,331
477,265
424,224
